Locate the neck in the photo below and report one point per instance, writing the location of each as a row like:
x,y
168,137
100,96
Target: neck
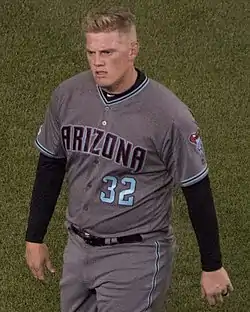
x,y
126,82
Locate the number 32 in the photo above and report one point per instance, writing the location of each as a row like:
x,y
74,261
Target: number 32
x,y
125,197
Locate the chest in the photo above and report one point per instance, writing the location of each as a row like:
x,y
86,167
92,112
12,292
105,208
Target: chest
x,y
124,133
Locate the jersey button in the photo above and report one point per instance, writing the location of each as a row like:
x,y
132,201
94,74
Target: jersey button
x,y
104,122
96,161
107,108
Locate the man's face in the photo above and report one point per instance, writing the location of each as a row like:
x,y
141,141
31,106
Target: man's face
x,y
110,55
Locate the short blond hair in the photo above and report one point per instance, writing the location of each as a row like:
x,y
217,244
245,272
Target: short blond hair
x,y
122,20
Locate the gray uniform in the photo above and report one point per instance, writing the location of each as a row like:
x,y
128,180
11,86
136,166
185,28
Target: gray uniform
x,y
125,157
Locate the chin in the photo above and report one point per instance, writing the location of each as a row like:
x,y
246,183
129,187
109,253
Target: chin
x,y
104,83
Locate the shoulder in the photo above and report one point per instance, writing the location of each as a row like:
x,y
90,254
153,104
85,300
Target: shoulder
x,y
73,88
81,81
168,103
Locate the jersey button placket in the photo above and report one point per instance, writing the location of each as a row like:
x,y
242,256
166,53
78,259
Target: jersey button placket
x,y
104,121
96,161
87,188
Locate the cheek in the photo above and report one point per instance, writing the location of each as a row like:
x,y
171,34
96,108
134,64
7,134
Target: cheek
x,y
89,60
120,62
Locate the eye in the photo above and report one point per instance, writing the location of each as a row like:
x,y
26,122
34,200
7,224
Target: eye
x,y
107,52
90,52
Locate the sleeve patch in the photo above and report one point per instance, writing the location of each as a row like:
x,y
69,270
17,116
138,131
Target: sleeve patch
x,y
195,139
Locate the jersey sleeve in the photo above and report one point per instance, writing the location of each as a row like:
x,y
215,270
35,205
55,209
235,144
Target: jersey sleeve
x,y
48,140
186,155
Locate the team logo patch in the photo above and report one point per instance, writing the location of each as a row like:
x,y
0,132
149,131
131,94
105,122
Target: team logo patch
x,y
196,140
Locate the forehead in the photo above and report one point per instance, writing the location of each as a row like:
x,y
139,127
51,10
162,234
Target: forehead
x,y
106,40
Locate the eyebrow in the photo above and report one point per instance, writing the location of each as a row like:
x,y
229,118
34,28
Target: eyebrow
x,y
103,50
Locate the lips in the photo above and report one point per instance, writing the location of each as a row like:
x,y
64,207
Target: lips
x,y
100,73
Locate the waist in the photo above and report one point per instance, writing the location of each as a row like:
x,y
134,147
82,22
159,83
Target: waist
x,y
101,241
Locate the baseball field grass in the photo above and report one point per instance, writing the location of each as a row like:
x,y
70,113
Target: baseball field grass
x,y
200,50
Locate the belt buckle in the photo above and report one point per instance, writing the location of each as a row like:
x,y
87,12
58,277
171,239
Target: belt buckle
x,y
86,235
89,239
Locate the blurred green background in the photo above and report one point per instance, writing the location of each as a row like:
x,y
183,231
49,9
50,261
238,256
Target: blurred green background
x,y
200,50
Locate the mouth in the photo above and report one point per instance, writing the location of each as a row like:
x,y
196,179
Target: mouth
x,y
100,73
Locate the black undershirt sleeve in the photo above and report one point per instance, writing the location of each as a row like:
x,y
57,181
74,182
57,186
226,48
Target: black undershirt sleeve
x,y
203,217
48,182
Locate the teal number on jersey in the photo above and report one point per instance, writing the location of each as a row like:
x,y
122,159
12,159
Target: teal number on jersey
x,y
110,196
125,197
131,183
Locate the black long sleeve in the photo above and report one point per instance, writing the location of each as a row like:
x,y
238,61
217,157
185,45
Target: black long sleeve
x,y
203,217
48,182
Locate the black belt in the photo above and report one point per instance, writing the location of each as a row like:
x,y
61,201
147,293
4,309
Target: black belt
x,y
100,241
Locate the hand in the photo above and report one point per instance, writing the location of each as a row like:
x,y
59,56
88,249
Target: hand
x,y
215,286
37,258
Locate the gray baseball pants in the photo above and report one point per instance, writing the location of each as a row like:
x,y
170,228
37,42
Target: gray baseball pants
x,y
118,278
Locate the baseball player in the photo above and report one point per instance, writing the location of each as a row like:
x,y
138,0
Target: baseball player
x,y
125,143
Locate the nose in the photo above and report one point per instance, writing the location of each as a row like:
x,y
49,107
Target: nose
x,y
98,60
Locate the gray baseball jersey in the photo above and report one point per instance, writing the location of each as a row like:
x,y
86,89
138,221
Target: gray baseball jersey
x,y
124,156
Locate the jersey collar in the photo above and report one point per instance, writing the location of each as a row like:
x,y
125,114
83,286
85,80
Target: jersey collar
x,y
140,83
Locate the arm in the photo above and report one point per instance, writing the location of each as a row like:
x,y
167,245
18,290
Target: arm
x,y
186,162
192,176
49,178
50,172
202,214
48,181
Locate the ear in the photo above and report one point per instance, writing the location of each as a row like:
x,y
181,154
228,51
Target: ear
x,y
134,49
